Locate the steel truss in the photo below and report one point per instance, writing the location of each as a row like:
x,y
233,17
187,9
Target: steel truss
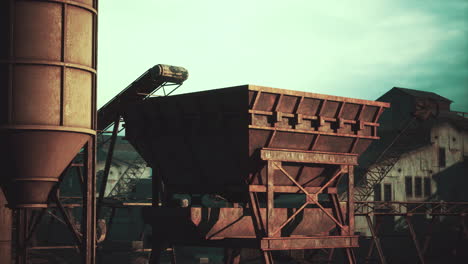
x,y
435,210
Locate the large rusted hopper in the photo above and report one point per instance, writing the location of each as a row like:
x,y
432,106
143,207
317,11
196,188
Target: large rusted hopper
x,y
47,93
247,144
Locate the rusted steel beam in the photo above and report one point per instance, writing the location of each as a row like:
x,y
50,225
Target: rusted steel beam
x,y
270,213
292,189
291,243
411,208
351,199
89,203
33,227
311,132
308,156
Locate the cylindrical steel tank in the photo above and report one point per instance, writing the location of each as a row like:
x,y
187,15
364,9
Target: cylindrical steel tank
x,y
47,92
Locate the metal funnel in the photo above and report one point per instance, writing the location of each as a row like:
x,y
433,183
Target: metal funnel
x,y
33,162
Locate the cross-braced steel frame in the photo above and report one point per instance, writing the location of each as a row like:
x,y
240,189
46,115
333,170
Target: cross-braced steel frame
x,y
269,230
84,238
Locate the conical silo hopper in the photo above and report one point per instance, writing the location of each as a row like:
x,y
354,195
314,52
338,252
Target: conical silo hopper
x,y
47,93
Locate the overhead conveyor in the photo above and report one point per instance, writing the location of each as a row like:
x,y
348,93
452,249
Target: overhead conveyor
x,y
160,80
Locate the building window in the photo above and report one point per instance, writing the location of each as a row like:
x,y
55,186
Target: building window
x,y
378,192
417,186
387,192
409,186
442,157
427,186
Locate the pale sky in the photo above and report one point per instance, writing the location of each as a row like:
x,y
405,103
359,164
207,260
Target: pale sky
x,y
348,48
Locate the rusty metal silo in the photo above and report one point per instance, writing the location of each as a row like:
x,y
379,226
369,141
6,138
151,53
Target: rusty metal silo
x,y
47,92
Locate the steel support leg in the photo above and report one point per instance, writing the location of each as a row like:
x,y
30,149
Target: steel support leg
x,y
68,220
110,154
331,253
21,233
349,251
270,208
267,257
372,243
415,240
89,204
350,255
376,241
430,228
232,256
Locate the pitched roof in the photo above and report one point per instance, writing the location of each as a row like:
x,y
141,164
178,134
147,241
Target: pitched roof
x,y
454,119
423,94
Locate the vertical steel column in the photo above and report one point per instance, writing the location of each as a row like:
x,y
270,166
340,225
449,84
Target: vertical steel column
x,y
110,154
6,224
270,206
89,204
351,198
21,233
349,251
270,210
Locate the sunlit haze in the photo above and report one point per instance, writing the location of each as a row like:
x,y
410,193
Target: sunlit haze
x,y
349,48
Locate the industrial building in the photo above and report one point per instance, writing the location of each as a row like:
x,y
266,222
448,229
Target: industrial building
x,y
421,159
426,149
